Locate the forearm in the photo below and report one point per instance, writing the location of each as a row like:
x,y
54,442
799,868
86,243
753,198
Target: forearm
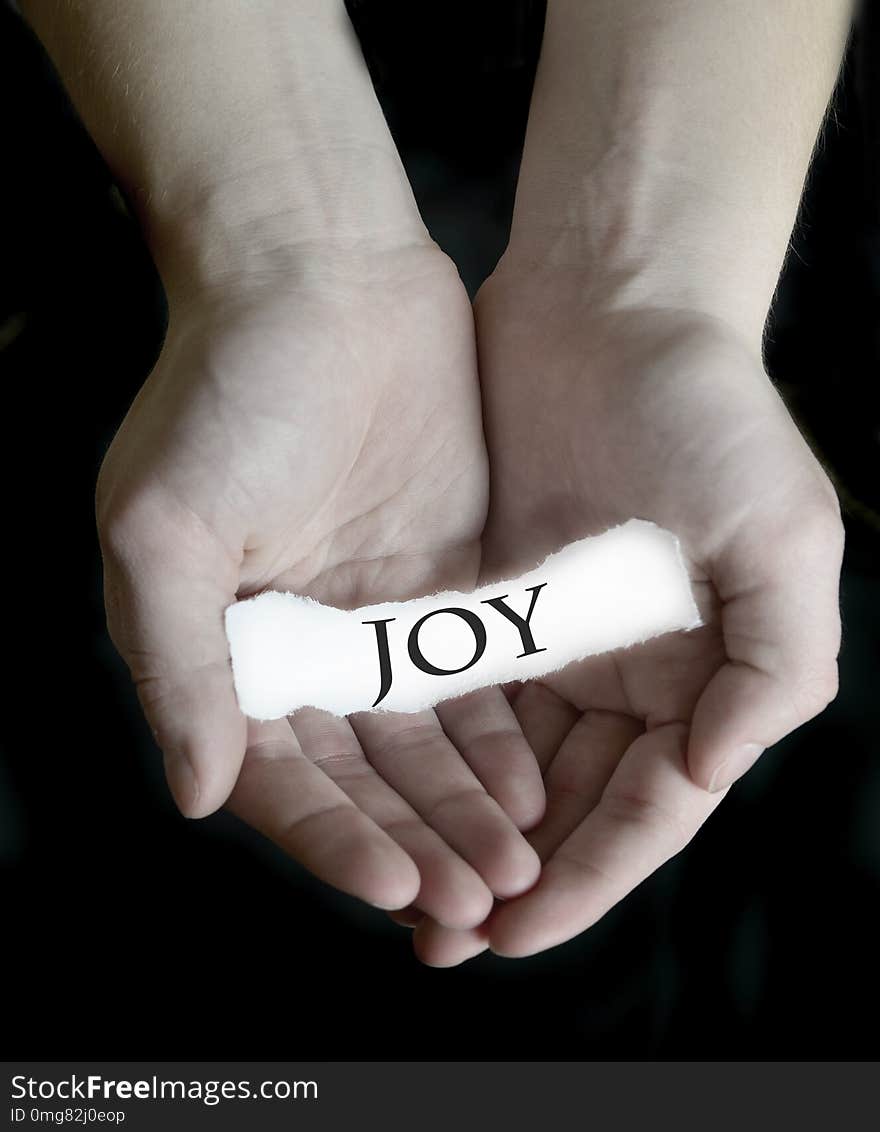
x,y
668,145
241,132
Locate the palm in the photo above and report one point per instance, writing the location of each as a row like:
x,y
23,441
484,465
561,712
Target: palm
x,y
327,439
589,422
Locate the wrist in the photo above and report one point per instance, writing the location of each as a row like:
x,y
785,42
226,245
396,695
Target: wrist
x,y
667,147
649,246
247,137
307,217
530,290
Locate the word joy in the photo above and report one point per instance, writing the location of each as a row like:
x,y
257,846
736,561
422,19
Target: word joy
x,y
604,592
474,623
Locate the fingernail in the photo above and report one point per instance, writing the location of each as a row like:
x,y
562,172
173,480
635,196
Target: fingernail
x,y
734,767
182,781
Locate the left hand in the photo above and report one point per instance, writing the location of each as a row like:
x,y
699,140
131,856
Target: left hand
x,y
594,416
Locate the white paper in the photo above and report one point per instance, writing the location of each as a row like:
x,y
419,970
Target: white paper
x,y
602,593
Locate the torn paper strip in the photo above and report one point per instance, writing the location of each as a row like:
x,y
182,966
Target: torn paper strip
x,y
599,594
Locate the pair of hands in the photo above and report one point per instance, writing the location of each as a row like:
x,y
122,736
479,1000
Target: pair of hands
x,y
335,431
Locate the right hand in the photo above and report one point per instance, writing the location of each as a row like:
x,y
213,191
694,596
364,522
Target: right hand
x,y
318,430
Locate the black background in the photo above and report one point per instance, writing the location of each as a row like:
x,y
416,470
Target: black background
x,y
129,932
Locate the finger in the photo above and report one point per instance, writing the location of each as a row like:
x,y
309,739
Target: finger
x,y
648,812
511,689
545,719
293,803
450,890
167,582
437,946
485,731
781,625
416,758
579,774
407,917
574,781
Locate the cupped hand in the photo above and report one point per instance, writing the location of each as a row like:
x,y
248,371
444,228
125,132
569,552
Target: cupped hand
x,y
592,417
318,430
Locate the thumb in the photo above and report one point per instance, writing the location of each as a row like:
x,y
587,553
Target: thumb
x,y
167,581
781,625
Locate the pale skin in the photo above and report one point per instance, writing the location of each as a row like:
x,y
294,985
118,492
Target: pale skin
x,y
314,423
620,362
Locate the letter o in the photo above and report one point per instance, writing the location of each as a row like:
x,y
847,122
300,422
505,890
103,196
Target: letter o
x,y
417,656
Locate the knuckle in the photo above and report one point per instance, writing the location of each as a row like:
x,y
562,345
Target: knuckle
x,y
402,744
455,800
342,764
634,809
829,494
141,524
821,532
814,691
123,525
